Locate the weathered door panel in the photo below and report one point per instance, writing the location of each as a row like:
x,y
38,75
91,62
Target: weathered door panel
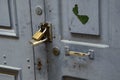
x,y
15,31
40,55
18,58
105,43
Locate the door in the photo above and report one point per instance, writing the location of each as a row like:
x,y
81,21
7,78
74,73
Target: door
x,y
80,26
18,58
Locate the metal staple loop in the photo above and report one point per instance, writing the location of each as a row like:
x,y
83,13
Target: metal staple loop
x,y
33,42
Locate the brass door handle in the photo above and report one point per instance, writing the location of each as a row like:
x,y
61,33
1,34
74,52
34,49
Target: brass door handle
x,y
81,54
89,53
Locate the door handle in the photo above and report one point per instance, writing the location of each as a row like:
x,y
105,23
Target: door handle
x,y
90,53
44,34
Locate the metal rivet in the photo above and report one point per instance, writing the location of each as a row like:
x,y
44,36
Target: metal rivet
x,y
56,51
5,62
4,56
28,60
28,66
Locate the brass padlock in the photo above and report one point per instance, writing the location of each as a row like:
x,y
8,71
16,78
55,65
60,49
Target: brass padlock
x,y
44,34
39,34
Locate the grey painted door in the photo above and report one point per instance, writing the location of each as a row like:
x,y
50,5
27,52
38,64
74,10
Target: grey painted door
x,y
18,58
82,25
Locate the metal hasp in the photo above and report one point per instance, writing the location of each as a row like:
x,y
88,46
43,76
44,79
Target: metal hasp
x,y
90,53
44,34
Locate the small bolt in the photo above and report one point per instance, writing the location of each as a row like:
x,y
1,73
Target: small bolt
x,y
28,60
92,55
50,10
4,56
5,62
28,66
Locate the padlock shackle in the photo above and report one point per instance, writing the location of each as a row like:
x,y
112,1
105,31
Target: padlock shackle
x,y
33,42
45,30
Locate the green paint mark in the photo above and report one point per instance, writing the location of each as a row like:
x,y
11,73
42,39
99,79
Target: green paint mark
x,y
75,10
82,18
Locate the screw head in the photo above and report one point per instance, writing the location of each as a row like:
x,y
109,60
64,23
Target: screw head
x,y
28,60
28,66
38,10
4,56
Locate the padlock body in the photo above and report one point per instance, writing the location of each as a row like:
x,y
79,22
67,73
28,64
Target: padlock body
x,y
38,35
